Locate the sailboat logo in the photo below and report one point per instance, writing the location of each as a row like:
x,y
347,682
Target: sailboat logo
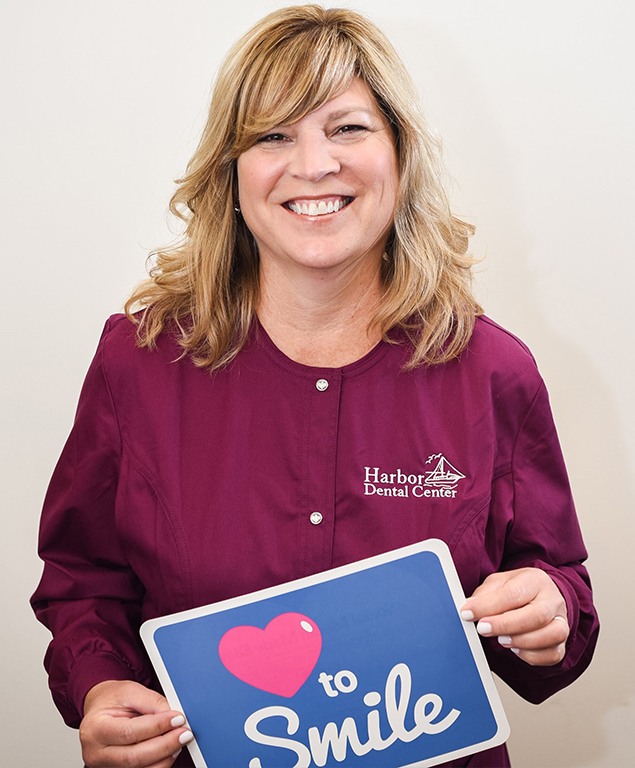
x,y
444,474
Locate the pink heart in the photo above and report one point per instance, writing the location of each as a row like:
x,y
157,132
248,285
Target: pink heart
x,y
277,659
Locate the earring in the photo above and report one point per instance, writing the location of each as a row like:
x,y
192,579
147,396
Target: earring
x,y
237,208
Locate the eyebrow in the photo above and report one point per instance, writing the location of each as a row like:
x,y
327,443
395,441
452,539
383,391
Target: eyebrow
x,y
344,112
338,114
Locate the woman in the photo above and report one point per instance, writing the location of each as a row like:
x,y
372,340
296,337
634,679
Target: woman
x,y
312,341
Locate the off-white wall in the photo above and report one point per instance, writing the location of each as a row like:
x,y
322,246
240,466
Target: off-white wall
x,y
102,102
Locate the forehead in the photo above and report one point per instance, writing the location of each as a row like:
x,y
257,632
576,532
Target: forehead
x,y
357,97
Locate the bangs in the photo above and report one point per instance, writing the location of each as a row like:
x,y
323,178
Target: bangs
x,y
291,77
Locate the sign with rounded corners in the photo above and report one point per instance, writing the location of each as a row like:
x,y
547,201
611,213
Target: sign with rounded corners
x,y
364,665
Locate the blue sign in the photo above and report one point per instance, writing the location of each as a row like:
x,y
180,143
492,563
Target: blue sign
x,y
365,665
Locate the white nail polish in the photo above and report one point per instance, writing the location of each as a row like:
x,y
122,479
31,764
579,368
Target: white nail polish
x,y
515,650
177,721
186,737
176,754
484,628
467,615
505,640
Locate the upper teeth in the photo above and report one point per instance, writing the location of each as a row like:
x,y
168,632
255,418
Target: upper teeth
x,y
317,209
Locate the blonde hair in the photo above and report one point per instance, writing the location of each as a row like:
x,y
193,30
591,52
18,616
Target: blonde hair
x,y
287,65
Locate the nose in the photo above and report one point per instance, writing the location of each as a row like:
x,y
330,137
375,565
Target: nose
x,y
313,157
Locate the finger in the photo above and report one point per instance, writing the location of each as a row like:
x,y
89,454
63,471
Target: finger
x,y
543,647
547,657
502,592
550,636
530,618
158,752
120,730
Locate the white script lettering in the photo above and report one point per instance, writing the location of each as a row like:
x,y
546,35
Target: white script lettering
x,y
425,713
293,723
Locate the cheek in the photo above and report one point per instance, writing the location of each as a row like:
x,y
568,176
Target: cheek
x,y
251,177
390,187
256,180
386,175
247,186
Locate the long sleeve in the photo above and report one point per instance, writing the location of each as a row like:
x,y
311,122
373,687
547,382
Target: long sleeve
x,y
88,596
543,532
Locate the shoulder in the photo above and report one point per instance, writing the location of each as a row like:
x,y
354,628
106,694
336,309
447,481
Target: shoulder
x,y
119,333
498,367
496,352
491,340
119,341
124,360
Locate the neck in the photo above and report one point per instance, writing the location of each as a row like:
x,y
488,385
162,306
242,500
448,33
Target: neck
x,y
321,320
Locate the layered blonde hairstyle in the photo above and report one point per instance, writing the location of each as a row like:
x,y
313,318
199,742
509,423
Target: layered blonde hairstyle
x,y
291,62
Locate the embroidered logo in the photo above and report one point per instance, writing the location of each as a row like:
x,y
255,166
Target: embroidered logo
x,y
440,481
444,475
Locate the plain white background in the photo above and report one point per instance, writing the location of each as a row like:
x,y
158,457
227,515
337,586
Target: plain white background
x,y
101,108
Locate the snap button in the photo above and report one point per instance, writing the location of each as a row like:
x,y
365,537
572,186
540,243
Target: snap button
x,y
321,385
316,518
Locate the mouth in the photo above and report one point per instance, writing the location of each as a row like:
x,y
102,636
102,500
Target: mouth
x,y
321,207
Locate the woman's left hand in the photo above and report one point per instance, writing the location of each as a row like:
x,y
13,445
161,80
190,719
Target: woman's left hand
x,y
526,611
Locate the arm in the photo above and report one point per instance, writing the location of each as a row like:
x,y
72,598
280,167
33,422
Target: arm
x,y
90,599
88,596
541,573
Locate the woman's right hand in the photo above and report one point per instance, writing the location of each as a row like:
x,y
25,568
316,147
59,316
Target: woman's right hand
x,y
127,724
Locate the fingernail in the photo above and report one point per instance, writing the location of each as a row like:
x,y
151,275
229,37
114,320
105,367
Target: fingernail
x,y
467,615
177,721
484,628
505,640
515,650
176,754
186,737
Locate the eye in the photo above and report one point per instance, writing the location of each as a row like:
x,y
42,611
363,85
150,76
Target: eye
x,y
351,130
271,138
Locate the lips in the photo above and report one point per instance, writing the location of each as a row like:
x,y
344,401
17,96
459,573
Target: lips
x,y
321,207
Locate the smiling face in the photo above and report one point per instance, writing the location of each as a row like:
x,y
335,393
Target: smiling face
x,y
321,192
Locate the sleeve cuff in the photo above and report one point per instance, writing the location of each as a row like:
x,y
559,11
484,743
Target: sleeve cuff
x,y
90,670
